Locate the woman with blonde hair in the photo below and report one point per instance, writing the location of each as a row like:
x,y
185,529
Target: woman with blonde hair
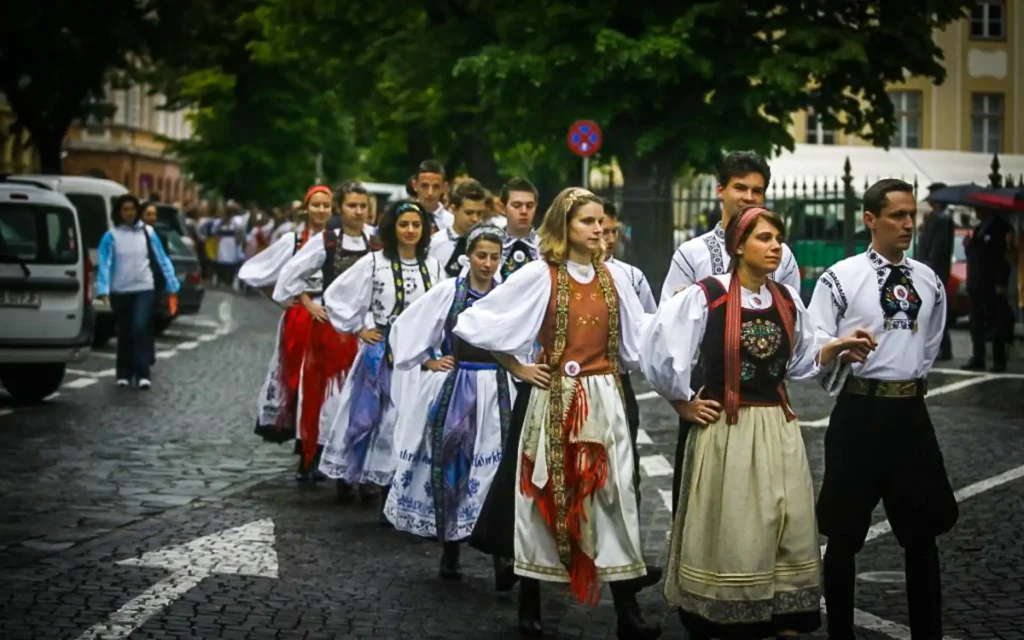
x,y
576,510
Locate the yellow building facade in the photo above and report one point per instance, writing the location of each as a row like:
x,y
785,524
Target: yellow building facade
x,y
980,106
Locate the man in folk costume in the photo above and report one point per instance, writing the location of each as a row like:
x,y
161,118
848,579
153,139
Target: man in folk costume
x,y
278,397
519,201
577,518
448,246
743,179
430,186
330,353
880,443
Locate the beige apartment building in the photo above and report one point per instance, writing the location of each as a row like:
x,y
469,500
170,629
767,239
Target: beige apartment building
x,y
978,109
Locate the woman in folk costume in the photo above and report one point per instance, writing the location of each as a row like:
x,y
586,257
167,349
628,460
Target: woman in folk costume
x,y
277,402
368,298
329,353
446,458
744,560
576,510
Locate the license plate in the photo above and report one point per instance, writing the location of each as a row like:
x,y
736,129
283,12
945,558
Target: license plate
x,y
28,299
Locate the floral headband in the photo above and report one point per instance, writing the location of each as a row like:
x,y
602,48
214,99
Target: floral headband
x,y
482,230
575,195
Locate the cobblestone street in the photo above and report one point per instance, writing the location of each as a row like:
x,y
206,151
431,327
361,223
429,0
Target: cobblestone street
x,y
167,503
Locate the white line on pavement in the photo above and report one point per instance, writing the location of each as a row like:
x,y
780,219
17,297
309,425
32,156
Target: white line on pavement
x,y
79,383
961,372
164,355
198,321
655,466
937,391
647,396
666,499
207,338
5,412
104,354
81,372
188,346
643,438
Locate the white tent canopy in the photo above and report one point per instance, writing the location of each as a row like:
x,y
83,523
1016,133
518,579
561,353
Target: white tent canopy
x,y
824,164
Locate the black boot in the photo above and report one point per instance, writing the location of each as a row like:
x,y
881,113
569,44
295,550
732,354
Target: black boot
x,y
369,495
924,591
631,624
504,574
346,494
384,491
529,608
840,569
450,561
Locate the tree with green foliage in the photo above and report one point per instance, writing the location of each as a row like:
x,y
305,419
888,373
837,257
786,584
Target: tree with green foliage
x,y
56,57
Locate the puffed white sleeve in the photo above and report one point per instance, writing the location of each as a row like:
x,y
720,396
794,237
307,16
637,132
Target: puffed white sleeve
x,y
680,273
419,330
789,271
508,319
670,341
348,298
291,282
645,294
827,307
936,322
803,363
631,318
262,269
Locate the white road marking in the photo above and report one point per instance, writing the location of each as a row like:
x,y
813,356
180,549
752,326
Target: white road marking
x,y
80,383
647,396
207,338
6,412
654,466
198,321
643,438
937,391
188,346
81,372
105,354
164,355
961,372
666,498
246,550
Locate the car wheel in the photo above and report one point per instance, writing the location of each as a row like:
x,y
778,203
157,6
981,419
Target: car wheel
x,y
162,324
30,383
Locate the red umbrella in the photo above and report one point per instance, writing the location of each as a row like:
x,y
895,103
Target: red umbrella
x,y
1007,199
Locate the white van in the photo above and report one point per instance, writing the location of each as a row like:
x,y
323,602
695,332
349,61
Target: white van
x,y
94,200
46,315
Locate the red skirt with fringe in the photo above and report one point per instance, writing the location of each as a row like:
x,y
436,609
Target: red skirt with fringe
x,y
329,356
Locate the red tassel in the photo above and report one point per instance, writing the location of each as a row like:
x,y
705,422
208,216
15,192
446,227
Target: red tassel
x,y
329,356
295,332
733,328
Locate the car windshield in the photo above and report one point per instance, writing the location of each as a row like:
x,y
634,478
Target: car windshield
x,y
93,216
174,244
170,217
37,234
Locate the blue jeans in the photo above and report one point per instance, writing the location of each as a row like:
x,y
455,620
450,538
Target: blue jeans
x,y
132,312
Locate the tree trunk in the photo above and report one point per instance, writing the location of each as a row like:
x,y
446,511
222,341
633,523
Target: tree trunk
x,y
647,208
478,155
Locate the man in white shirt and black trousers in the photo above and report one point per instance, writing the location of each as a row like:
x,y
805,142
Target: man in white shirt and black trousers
x,y
880,443
743,179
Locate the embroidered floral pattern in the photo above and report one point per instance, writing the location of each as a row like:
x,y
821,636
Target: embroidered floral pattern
x,y
761,338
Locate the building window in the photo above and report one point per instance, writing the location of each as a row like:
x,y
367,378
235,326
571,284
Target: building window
x,y
120,100
987,122
135,107
907,105
988,20
816,133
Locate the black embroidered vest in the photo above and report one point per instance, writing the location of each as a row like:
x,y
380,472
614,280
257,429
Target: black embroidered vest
x,y
338,259
764,353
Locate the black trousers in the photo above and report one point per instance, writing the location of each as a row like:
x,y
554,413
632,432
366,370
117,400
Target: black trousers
x,y
884,449
991,319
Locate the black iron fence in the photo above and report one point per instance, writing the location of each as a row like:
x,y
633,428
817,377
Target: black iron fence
x,y
822,215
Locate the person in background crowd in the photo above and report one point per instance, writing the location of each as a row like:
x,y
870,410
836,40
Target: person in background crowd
x,y
935,249
448,246
880,444
991,249
132,264
430,185
229,232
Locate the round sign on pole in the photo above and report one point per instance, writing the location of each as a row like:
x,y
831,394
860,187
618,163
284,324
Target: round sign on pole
x,y
584,138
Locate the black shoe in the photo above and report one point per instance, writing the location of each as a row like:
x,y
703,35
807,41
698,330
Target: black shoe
x,y
450,562
974,364
504,574
346,494
369,494
631,624
529,608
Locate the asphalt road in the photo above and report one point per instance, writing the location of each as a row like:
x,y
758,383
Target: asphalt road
x,y
160,514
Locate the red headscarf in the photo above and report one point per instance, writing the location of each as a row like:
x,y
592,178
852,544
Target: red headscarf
x,y
315,189
734,320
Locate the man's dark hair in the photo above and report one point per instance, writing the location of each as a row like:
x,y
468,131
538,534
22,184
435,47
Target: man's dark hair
x,y
430,166
740,163
387,229
610,210
468,190
936,186
876,195
517,183
345,188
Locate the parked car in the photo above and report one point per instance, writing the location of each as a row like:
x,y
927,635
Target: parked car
x,y
186,266
46,313
956,290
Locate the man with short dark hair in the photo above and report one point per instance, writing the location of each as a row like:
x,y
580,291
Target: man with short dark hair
x,y
430,185
519,200
743,179
880,443
935,249
448,246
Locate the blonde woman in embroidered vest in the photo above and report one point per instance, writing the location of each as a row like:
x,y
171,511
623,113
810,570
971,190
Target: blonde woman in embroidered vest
x,y
743,557
576,516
